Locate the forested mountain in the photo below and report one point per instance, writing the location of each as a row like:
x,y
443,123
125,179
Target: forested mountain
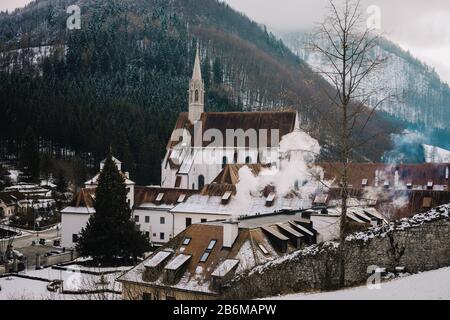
x,y
122,79
421,100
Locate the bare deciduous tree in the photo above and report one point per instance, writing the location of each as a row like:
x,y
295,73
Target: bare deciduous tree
x,y
347,51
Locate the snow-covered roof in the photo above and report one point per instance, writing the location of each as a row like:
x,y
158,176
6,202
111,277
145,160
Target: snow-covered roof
x,y
157,259
113,159
225,267
78,210
94,180
203,204
258,205
177,262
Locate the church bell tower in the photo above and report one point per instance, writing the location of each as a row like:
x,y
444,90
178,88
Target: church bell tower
x,y
196,92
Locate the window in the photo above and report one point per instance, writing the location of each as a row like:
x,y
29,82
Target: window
x,y
147,234
263,249
248,160
147,219
161,236
224,162
136,218
154,234
186,241
146,296
181,198
205,256
188,222
235,157
201,182
196,95
159,198
75,238
203,220
162,220
211,245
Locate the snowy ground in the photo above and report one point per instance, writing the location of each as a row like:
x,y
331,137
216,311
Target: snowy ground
x,y
15,288
435,154
432,285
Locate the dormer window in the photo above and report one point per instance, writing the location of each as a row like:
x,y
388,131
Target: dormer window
x,y
208,251
364,182
226,197
430,185
386,184
263,249
409,185
211,244
204,257
159,198
181,198
186,241
270,198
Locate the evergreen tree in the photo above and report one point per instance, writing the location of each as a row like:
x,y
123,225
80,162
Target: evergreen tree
x,y
61,182
110,234
217,72
29,155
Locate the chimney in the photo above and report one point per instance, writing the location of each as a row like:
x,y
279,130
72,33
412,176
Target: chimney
x,y
230,233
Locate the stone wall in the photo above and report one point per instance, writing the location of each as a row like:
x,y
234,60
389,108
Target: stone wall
x,y
421,243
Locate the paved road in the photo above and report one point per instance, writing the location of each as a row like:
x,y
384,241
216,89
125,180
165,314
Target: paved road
x,y
25,240
23,244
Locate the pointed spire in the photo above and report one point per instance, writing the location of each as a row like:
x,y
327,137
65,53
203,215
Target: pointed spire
x,y
197,74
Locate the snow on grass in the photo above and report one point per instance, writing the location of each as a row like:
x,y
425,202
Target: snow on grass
x,y
17,288
431,285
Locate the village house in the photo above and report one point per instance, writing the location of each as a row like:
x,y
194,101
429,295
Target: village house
x,y
11,203
205,256
397,190
197,262
152,212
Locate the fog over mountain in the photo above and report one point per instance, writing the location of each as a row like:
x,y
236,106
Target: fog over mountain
x,y
418,26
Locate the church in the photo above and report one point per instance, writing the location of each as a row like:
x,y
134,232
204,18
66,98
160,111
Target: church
x,y
203,143
202,146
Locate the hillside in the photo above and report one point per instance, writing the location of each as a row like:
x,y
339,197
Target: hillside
x,y
122,79
421,99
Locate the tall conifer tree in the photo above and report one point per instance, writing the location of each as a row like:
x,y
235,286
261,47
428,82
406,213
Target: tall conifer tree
x,y
110,234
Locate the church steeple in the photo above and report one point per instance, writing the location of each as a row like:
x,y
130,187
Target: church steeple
x,y
196,91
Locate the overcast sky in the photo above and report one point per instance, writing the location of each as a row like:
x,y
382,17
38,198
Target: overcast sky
x,y
419,26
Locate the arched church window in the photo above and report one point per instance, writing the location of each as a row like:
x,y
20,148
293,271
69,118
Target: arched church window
x,y
196,95
248,160
224,162
201,182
